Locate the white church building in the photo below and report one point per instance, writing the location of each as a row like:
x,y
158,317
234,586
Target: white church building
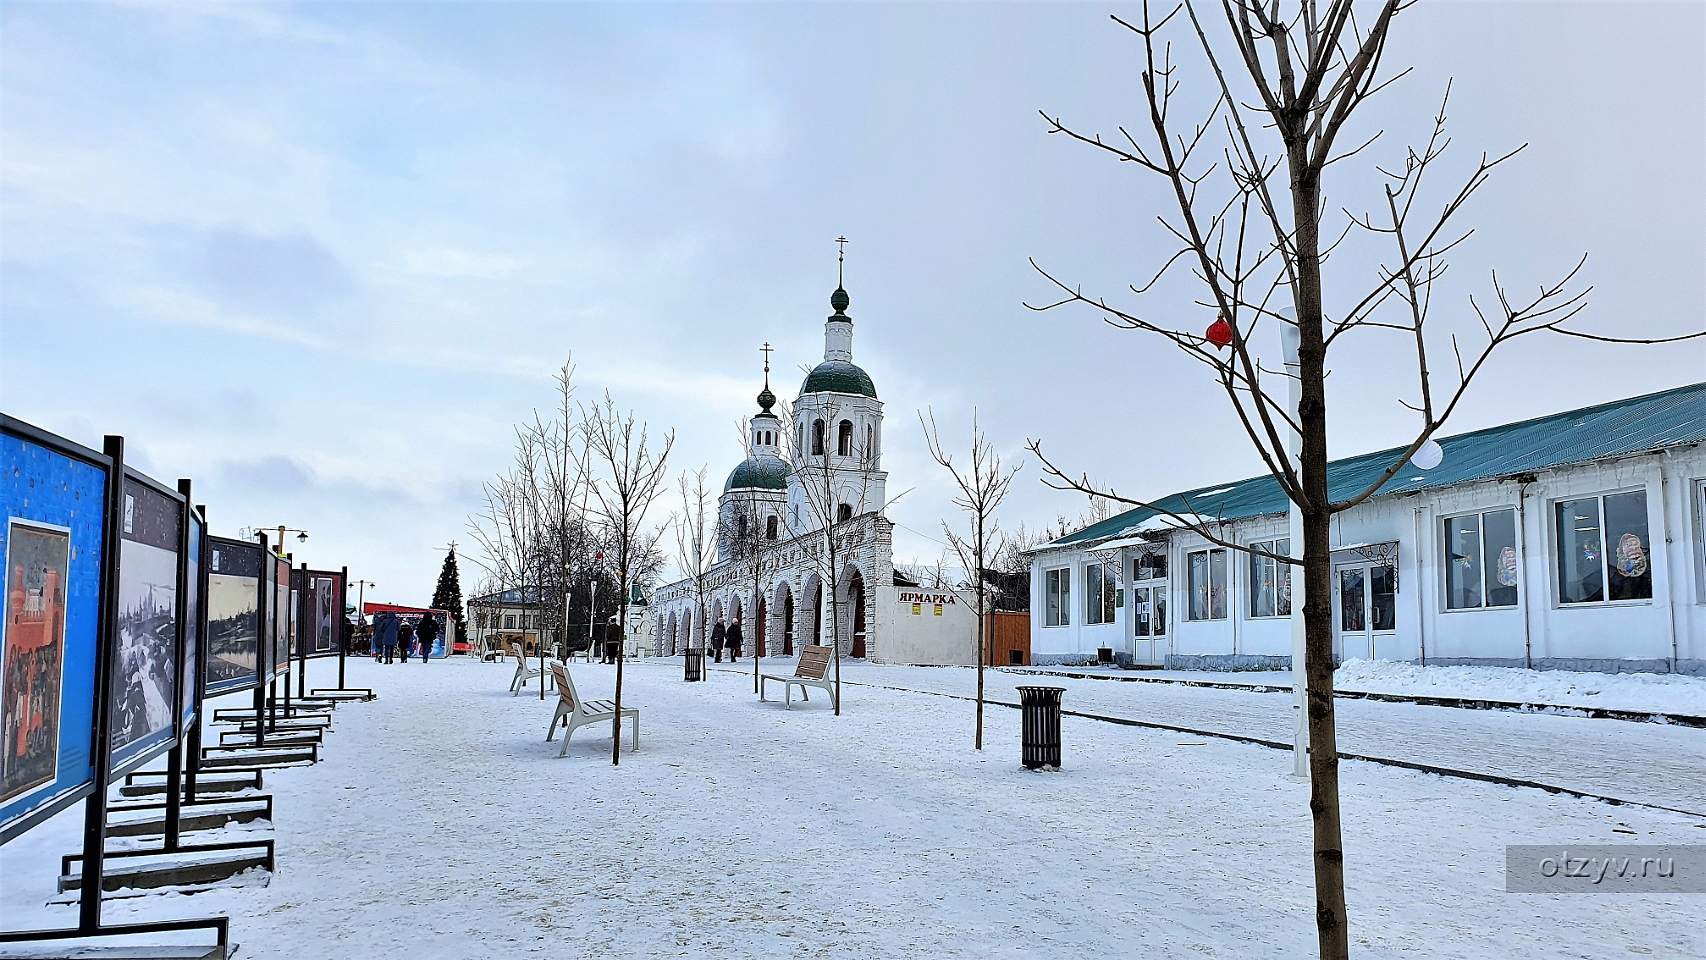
x,y
1571,541
833,442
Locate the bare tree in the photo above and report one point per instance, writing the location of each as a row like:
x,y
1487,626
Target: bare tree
x,y
695,542
835,486
983,483
634,479
751,540
1248,181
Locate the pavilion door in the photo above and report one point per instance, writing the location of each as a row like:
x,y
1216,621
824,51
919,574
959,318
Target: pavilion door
x,y
1148,603
1365,608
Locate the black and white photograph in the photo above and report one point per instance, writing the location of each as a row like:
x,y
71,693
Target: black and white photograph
x,y
145,683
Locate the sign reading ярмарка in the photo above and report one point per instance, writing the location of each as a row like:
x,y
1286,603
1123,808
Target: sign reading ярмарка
x,y
918,600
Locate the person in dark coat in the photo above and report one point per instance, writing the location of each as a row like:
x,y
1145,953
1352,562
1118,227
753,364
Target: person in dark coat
x,y
719,633
385,636
428,632
405,636
732,640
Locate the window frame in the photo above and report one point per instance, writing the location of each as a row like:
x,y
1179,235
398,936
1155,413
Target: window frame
x,y
1058,574
1480,515
1105,600
844,438
1558,601
1190,588
1250,570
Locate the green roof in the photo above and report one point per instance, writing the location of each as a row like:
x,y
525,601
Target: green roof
x,y
761,471
1670,418
839,376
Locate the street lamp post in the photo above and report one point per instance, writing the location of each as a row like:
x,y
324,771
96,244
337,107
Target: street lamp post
x,y
280,530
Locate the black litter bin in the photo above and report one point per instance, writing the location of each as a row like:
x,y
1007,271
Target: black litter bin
x,y
694,665
1039,719
610,650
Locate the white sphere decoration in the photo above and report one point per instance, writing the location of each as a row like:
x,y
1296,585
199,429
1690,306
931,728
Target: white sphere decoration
x,y
1428,456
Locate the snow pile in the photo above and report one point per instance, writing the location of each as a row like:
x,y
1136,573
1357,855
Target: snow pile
x,y
1162,523
1654,692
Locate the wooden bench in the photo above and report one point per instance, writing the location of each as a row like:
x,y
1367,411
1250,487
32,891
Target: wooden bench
x,y
523,672
814,663
574,712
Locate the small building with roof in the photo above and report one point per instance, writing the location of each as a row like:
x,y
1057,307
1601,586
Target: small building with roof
x,y
1571,541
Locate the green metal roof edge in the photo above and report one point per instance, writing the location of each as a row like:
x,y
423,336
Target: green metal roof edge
x,y
1260,495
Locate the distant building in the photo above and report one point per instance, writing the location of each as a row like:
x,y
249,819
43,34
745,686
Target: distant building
x,y
1570,541
514,610
835,415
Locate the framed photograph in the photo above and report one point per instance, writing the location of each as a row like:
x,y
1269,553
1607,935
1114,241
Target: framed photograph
x,y
194,615
233,618
145,683
52,508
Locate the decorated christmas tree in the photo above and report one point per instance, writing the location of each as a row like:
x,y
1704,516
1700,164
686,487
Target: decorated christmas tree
x,y
448,594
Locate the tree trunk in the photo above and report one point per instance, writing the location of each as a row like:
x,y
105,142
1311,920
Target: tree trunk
x,y
616,721
982,648
1329,856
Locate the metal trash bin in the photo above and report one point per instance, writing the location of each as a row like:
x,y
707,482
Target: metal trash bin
x,y
1039,737
694,669
610,649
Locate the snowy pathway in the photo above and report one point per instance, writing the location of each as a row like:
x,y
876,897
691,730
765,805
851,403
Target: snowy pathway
x,y
1643,762
441,827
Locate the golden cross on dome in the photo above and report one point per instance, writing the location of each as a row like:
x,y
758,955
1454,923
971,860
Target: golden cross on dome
x,y
766,349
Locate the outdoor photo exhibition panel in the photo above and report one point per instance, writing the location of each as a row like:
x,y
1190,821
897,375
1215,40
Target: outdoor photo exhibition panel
x,y
194,610
278,656
53,495
233,620
146,663
322,613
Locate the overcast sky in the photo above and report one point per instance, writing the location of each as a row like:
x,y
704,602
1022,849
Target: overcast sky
x,y
320,258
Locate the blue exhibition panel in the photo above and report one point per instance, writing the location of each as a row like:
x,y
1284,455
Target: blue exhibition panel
x,y
53,496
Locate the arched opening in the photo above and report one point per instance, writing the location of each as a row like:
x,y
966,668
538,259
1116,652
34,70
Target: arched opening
x,y
817,438
856,599
844,439
782,601
788,624
740,526
770,528
870,444
843,512
758,628
817,615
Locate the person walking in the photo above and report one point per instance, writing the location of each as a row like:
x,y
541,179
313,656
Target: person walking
x,y
385,635
732,640
719,633
405,636
428,632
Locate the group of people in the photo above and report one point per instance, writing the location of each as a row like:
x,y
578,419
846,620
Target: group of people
x,y
726,638
393,636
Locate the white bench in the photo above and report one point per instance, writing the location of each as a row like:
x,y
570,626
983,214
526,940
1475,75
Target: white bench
x,y
574,712
523,672
814,663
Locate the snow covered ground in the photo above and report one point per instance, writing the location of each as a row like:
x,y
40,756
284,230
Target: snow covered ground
x,y
442,826
1642,762
1649,692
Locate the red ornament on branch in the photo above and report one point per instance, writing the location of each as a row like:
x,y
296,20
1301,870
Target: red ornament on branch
x,y
1219,332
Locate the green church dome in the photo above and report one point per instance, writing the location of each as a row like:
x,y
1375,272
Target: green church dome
x,y
839,376
761,471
